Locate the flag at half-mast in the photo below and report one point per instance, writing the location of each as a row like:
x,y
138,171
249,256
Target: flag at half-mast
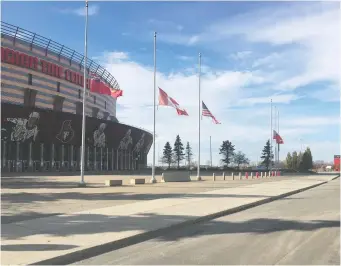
x,y
277,137
165,100
206,112
98,86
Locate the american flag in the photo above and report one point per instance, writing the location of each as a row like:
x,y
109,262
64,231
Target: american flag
x,y
206,112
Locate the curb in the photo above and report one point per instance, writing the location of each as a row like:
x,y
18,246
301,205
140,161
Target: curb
x,y
132,240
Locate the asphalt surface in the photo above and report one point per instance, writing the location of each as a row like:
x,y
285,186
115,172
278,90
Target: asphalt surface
x,y
303,229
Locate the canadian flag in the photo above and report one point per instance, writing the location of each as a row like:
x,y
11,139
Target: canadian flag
x,y
97,86
165,100
277,137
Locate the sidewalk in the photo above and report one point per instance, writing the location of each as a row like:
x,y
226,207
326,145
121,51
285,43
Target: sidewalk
x,y
25,198
75,236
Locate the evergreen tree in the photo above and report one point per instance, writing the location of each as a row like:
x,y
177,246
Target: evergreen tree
x,y
267,155
189,154
227,151
167,154
307,160
178,150
289,161
294,163
300,165
240,158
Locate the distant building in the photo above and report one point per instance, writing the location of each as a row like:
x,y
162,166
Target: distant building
x,y
337,163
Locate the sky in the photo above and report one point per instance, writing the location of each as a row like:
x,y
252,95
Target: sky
x,y
251,52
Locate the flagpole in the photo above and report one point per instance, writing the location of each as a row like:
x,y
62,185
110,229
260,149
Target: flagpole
x,y
199,118
275,121
270,134
278,133
211,151
153,180
82,183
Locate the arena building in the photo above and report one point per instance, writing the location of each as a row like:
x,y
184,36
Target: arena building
x,y
41,111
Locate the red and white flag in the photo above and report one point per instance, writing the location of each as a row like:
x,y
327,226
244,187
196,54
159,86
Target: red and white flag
x,y
165,100
277,137
206,112
98,86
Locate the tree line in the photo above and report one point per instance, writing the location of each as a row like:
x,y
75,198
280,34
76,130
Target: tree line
x,y
300,161
227,150
296,161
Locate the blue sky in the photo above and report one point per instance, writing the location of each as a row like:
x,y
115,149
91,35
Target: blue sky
x,y
251,52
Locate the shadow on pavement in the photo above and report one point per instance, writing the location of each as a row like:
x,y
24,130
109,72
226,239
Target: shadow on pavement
x,y
27,198
36,247
92,224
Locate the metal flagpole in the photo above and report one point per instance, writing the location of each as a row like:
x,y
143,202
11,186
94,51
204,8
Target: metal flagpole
x,y
153,180
275,159
211,151
82,183
278,133
270,134
199,117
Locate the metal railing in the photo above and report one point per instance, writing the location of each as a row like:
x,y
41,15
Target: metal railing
x,y
37,41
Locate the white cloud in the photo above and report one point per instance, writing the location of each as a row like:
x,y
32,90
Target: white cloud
x,y
267,61
328,94
312,121
282,98
92,10
241,55
310,30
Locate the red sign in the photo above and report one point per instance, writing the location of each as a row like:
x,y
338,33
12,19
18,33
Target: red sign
x,y
13,57
336,162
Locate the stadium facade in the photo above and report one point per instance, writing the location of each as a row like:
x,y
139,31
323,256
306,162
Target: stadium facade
x,y
41,111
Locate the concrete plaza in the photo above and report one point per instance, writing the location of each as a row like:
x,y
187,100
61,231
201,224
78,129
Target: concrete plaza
x,y
83,222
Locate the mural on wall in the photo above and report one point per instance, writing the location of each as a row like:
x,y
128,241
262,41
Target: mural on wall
x,y
45,126
99,136
139,145
66,132
22,129
127,139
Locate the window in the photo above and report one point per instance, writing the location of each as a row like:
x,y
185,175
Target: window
x,y
29,79
58,86
94,99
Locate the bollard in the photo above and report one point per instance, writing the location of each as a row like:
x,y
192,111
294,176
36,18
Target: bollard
x,y
265,174
261,174
240,176
162,178
251,175
224,176
213,176
246,175
232,176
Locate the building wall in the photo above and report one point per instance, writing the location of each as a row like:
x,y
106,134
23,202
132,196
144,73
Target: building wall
x,y
41,130
14,81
